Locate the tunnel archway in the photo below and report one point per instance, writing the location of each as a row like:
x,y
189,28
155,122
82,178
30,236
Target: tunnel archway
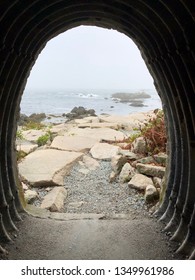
x,y
163,31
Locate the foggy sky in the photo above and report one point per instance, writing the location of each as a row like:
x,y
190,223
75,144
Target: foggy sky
x,y
89,58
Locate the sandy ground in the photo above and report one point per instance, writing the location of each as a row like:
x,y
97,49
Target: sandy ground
x,y
133,238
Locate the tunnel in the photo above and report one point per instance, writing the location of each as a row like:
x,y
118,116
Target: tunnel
x,y
163,30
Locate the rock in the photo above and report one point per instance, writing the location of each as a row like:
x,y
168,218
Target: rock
x,y
129,97
146,160
117,162
33,134
47,167
139,182
90,163
76,204
98,133
137,103
73,143
113,176
26,146
30,196
139,146
129,155
80,112
99,125
161,158
127,173
24,186
151,194
84,171
157,182
54,200
104,151
22,120
151,170
36,117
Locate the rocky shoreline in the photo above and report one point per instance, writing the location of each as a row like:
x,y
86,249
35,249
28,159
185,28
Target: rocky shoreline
x,y
85,166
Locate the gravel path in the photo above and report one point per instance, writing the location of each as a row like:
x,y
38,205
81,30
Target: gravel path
x,y
93,193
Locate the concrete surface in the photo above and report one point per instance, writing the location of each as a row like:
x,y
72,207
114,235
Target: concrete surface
x,y
121,238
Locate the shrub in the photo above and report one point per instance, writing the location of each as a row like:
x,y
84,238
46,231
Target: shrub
x,y
33,125
19,135
42,140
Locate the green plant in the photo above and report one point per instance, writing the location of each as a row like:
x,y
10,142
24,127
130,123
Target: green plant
x,y
20,155
33,125
42,140
19,135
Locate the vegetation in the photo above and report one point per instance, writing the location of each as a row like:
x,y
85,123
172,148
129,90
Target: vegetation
x,y
19,135
20,155
33,125
42,140
154,133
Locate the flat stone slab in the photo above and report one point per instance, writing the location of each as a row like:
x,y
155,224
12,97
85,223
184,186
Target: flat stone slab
x,y
140,182
98,133
90,163
104,151
47,167
54,200
73,143
32,134
151,170
26,146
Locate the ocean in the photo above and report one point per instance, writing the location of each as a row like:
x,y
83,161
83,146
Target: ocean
x,y
58,102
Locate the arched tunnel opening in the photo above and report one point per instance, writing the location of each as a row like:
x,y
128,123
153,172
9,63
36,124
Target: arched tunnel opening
x,y
106,63
163,31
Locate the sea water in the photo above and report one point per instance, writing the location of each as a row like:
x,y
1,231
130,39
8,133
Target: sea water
x,y
57,102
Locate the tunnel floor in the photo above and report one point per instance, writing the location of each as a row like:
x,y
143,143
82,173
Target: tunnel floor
x,y
123,237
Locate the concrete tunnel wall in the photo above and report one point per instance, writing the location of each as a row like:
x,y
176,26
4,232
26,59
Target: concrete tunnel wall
x,y
164,31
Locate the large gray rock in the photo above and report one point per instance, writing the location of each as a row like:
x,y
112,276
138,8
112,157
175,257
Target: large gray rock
x,y
47,167
73,143
127,173
54,200
151,194
104,151
139,182
151,170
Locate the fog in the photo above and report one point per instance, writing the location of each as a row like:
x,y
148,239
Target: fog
x,y
90,58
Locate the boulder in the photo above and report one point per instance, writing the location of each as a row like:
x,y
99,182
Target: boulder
x,y
139,182
139,146
161,158
104,151
151,170
54,200
80,112
47,167
117,162
151,194
127,173
157,182
30,196
73,143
